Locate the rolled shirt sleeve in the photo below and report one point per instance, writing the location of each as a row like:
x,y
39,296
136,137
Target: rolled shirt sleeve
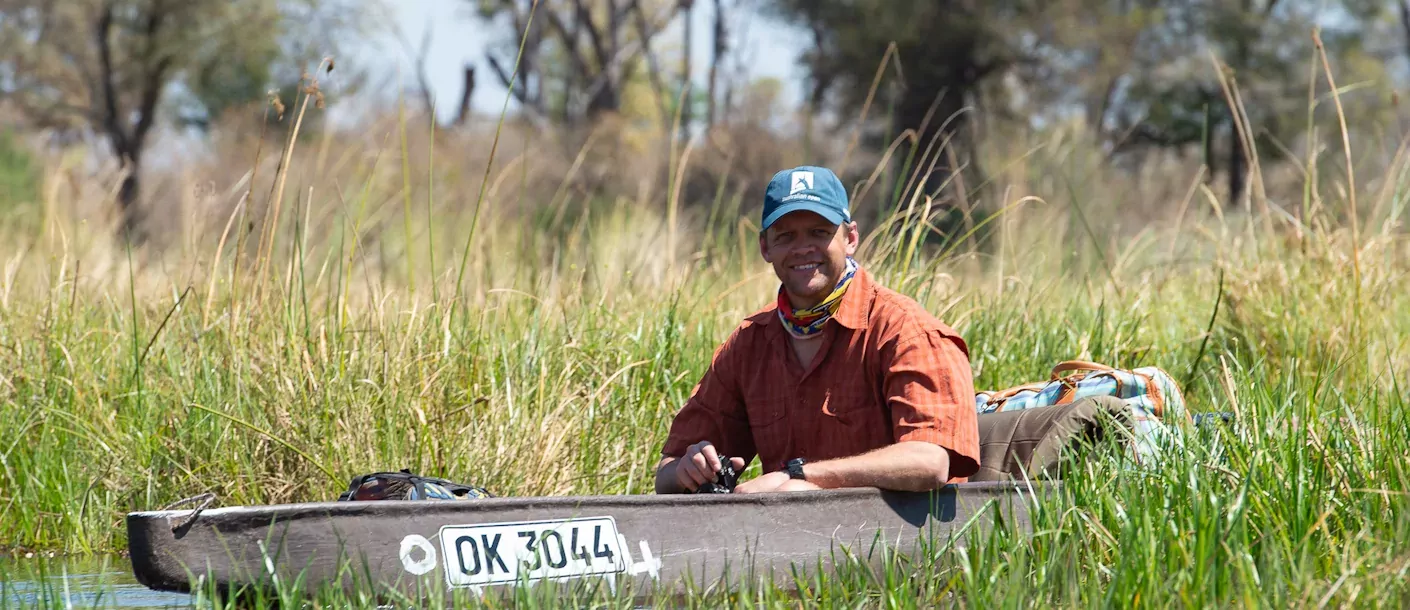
x,y
930,390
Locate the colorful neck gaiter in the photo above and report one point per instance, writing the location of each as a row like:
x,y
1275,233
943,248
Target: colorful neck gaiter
x,y
808,323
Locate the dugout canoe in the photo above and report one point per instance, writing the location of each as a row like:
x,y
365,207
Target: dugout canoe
x,y
654,543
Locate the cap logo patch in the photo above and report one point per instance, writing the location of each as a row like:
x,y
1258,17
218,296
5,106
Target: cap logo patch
x,y
801,181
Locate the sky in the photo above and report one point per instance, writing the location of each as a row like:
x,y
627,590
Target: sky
x,y
459,37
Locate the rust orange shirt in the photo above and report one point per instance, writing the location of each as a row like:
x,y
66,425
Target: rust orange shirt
x,y
888,371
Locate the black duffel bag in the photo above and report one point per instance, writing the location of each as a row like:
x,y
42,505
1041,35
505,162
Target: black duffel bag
x,y
404,485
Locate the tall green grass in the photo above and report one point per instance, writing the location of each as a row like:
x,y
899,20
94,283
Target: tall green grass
x,y
545,354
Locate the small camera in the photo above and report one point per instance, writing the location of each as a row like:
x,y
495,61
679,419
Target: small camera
x,y
725,479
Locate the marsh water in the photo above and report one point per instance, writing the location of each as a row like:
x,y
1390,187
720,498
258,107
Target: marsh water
x,y
102,582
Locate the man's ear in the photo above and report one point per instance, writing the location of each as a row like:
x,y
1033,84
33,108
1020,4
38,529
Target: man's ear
x,y
854,238
764,246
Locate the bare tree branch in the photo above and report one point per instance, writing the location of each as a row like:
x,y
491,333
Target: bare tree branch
x,y
652,68
615,15
506,79
530,79
597,47
570,42
594,36
629,52
154,81
535,112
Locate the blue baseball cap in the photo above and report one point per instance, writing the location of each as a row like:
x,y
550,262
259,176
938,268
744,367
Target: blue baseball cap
x,y
808,187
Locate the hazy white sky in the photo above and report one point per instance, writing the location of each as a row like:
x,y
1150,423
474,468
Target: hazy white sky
x,y
458,38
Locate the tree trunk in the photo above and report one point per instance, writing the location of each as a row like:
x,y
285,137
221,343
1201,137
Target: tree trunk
x,y
604,101
653,69
465,95
1209,151
717,52
686,117
911,115
946,121
1237,167
129,193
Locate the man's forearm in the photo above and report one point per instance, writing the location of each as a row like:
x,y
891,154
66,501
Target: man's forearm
x,y
908,466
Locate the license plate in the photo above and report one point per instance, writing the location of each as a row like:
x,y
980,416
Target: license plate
x,y
496,553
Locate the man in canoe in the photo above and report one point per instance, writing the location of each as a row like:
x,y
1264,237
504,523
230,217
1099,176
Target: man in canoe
x,y
841,382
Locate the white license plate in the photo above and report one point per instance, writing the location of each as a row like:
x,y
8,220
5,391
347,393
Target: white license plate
x,y
495,553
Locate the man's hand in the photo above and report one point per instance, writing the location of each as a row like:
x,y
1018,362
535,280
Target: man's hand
x,y
700,464
774,481
765,483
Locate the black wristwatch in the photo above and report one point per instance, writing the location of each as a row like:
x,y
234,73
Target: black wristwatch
x,y
795,469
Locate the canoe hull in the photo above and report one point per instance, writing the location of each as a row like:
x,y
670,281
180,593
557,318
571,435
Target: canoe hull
x,y
656,543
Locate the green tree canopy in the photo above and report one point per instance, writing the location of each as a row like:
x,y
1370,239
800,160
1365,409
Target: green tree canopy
x,y
1141,73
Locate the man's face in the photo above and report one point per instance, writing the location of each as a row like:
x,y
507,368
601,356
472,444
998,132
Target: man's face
x,y
809,254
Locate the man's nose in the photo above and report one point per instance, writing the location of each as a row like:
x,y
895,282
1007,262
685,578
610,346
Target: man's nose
x,y
804,246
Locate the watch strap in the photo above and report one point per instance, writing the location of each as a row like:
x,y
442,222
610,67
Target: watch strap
x,y
795,468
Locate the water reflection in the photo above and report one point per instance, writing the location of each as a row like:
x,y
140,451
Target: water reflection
x,y
105,582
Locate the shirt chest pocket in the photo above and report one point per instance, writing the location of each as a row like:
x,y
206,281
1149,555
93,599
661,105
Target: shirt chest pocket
x,y
766,410
849,406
